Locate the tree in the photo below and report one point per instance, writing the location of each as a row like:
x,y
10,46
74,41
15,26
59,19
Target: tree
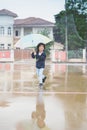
x,y
59,30
76,24
79,10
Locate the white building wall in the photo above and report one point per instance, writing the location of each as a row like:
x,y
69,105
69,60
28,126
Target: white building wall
x,y
25,31
22,32
6,40
6,21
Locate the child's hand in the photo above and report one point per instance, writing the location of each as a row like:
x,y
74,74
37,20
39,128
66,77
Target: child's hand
x,y
33,51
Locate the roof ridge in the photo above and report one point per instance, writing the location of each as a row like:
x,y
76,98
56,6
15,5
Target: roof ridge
x,y
7,12
32,20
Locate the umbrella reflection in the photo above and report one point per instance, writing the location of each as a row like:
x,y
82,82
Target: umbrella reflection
x,y
4,104
40,112
37,121
4,101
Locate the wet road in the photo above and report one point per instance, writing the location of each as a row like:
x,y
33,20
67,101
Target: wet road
x,y
60,105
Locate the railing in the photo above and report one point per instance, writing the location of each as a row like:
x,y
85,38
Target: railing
x,y
75,54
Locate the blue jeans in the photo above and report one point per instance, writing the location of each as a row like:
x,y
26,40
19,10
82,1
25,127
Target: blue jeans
x,y
40,74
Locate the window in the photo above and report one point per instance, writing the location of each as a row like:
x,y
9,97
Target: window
x,y
9,46
16,33
1,30
9,30
1,46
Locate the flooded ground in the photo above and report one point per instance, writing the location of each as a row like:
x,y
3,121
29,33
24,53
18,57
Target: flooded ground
x,y
60,105
21,77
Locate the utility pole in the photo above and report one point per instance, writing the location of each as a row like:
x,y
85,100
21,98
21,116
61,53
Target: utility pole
x,y
86,38
66,38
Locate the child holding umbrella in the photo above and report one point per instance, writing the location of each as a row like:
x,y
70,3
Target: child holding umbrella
x,y
40,56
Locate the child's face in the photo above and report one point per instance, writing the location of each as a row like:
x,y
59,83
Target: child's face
x,y
41,48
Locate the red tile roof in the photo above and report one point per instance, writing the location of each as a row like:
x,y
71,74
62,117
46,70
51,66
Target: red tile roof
x,y
7,12
32,21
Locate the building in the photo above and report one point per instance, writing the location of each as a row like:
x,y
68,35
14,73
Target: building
x,y
31,25
11,29
6,28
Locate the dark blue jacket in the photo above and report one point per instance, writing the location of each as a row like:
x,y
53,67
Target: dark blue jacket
x,y
40,60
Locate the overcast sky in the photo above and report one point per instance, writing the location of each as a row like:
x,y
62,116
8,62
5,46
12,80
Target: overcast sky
x,y
45,9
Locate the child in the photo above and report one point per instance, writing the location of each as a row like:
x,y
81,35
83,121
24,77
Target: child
x,y
40,56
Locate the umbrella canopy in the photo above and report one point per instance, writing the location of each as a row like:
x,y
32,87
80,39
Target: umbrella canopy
x,y
31,40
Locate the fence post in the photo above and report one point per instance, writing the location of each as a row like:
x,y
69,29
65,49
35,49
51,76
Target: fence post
x,y
12,55
53,55
84,55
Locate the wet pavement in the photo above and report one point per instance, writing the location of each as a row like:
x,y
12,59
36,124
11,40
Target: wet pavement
x,y
60,105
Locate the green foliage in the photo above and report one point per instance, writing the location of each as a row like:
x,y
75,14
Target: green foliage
x,y
76,14
59,31
47,48
79,6
75,53
79,10
44,32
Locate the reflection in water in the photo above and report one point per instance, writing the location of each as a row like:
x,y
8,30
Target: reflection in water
x,y
75,108
16,77
4,104
40,112
69,77
3,101
32,111
38,116
44,111
28,124
64,110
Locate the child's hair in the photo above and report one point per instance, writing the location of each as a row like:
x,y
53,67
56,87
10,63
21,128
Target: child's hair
x,y
39,46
